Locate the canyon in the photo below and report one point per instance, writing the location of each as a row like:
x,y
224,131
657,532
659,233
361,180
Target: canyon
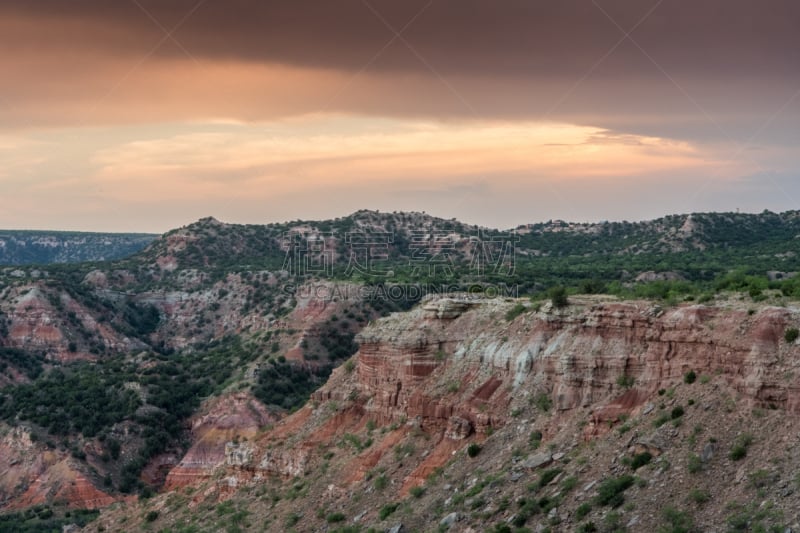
x,y
428,383
465,410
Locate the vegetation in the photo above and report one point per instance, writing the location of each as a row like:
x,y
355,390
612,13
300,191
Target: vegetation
x,y
676,521
626,382
515,311
287,385
791,334
611,490
43,518
26,363
641,459
387,510
155,394
694,464
558,297
473,449
43,247
740,446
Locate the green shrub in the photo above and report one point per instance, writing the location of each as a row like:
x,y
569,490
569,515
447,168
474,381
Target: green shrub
x,y
610,492
334,518
759,478
677,412
381,482
694,464
791,334
515,311
582,510
699,496
387,510
473,449
690,377
535,439
417,491
740,446
543,402
151,516
676,521
558,297
547,476
293,519
569,483
626,382
641,459
661,420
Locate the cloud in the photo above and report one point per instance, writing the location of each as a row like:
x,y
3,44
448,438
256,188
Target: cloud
x,y
699,66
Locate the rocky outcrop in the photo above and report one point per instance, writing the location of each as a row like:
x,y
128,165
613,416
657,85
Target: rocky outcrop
x,y
31,474
457,374
237,417
50,322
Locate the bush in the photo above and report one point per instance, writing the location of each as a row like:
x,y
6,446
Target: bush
x,y
334,518
535,438
611,490
677,412
387,510
582,510
558,297
694,464
515,311
791,334
661,420
473,450
699,496
690,377
548,476
737,452
151,516
381,482
417,491
676,521
626,382
641,459
543,402
739,448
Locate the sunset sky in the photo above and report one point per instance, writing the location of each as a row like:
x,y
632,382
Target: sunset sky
x,y
144,115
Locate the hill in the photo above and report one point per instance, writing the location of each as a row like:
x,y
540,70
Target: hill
x,y
44,247
123,378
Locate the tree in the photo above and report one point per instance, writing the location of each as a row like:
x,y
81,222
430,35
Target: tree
x,y
558,297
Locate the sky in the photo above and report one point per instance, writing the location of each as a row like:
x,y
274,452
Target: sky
x,y
145,115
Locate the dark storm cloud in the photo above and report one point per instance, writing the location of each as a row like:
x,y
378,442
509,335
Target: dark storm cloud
x,y
508,38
